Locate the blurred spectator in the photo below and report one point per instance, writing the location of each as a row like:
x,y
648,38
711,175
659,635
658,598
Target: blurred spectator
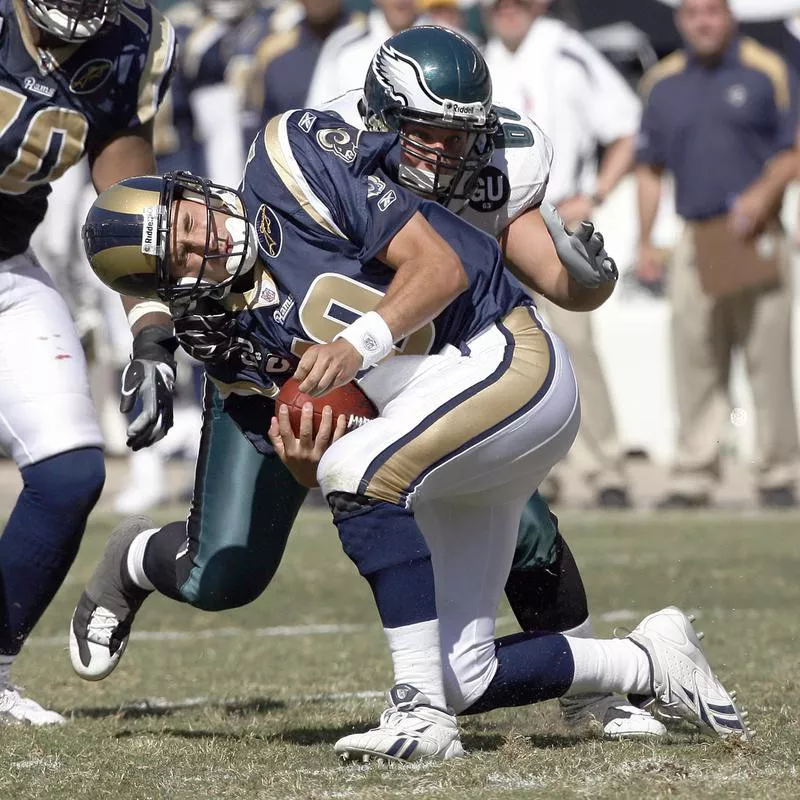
x,y
626,47
721,115
284,62
245,40
550,71
347,54
446,13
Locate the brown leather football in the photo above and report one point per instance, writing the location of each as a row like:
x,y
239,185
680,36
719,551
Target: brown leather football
x,y
348,400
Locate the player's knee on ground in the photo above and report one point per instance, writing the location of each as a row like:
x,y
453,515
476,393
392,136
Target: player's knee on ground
x,y
468,671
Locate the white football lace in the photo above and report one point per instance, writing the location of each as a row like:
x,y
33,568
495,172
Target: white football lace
x,y
392,717
354,421
102,626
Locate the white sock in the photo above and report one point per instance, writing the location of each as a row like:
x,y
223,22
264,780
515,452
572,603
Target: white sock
x,y
608,665
582,631
417,659
5,670
135,561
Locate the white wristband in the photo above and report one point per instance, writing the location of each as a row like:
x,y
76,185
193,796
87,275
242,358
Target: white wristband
x,y
370,335
147,307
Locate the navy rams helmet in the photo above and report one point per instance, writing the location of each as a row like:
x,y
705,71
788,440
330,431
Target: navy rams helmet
x,y
128,234
434,76
72,20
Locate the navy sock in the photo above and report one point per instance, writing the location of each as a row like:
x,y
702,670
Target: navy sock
x,y
530,667
42,537
386,545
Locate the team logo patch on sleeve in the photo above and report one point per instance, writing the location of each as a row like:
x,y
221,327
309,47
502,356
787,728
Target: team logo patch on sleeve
x,y
492,190
269,232
339,142
375,186
91,76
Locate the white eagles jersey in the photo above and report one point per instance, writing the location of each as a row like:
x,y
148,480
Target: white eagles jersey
x,y
512,182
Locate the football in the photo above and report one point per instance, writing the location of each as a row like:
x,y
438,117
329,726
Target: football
x,y
348,400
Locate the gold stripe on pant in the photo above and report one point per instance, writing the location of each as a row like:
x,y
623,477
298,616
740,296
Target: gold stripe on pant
x,y
488,407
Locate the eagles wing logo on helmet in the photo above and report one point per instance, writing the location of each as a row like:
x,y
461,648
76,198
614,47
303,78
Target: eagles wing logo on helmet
x,y
402,77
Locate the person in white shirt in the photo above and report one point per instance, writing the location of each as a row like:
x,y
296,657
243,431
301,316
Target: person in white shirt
x,y
347,54
547,70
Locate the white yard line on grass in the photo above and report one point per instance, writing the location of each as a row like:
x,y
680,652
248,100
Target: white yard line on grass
x,y
617,615
215,633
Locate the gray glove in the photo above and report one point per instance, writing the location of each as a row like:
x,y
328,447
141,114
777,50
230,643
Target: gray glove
x,y
582,253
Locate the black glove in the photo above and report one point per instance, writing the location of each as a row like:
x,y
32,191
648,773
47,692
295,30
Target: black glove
x,y
210,334
149,377
208,337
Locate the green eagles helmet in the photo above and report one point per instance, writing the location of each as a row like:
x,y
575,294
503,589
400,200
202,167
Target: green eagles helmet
x,y
434,76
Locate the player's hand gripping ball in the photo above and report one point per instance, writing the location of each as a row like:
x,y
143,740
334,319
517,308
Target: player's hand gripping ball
x,y
348,400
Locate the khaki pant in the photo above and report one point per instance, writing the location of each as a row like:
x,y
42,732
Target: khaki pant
x,y
705,332
597,454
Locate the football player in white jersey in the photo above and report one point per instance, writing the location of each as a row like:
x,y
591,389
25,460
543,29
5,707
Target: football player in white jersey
x,y
65,92
500,191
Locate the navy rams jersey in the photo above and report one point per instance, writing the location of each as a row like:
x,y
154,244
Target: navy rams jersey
x,y
323,206
57,104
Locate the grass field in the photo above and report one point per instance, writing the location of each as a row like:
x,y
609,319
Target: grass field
x,y
247,704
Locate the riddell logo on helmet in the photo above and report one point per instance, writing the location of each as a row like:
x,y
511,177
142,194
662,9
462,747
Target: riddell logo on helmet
x,y
150,243
473,110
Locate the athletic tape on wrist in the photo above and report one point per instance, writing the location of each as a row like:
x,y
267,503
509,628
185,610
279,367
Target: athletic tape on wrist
x,y
370,335
147,307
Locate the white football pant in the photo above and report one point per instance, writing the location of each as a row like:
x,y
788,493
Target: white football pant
x,y
45,404
464,440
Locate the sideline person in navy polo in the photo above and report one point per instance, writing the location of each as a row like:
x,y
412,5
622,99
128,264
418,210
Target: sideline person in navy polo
x,y
721,115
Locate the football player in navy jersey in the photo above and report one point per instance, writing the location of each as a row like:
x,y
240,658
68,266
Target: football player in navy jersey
x,y
75,78
502,193
332,271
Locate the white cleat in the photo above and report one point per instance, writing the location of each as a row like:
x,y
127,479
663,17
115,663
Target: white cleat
x,y
611,715
409,730
16,709
683,682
